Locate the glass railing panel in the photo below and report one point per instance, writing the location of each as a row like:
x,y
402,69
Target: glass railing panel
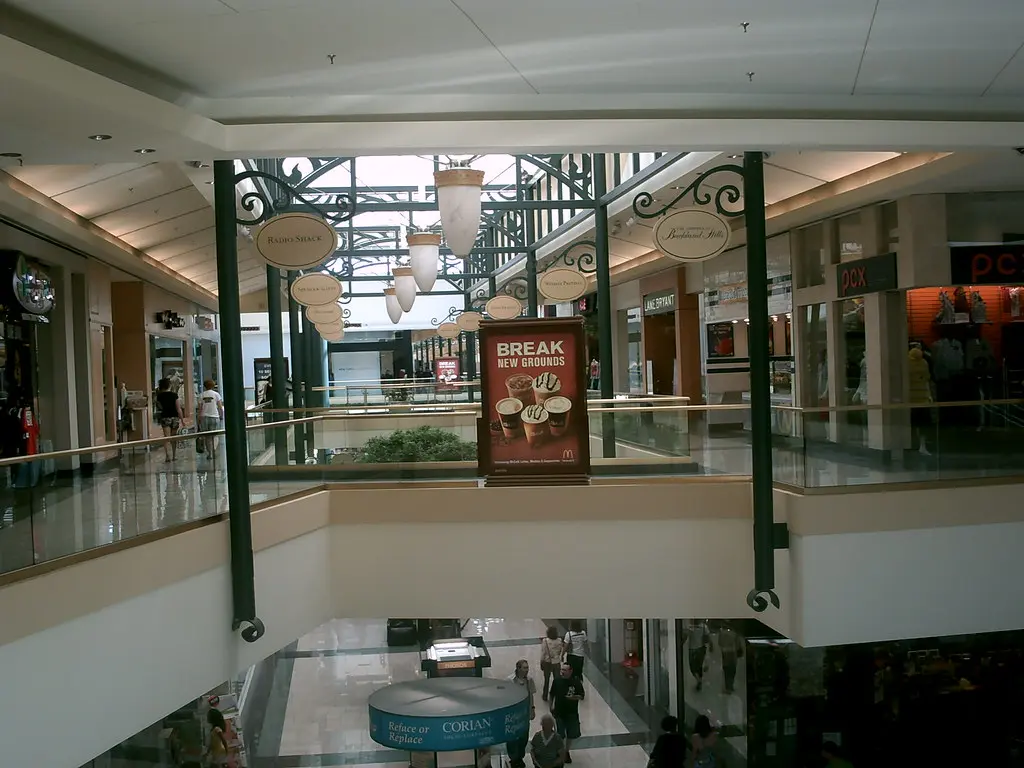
x,y
397,391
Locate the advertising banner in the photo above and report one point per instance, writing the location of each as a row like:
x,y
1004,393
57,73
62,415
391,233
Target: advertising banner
x,y
450,733
721,340
446,373
534,399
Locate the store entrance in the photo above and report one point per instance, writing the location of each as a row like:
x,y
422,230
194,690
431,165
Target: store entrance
x,y
660,353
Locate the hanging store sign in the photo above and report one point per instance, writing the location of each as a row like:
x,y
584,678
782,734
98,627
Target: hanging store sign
x,y
998,264
316,289
856,278
660,303
330,329
562,284
323,313
534,400
721,340
448,330
469,321
503,308
692,234
296,241
32,287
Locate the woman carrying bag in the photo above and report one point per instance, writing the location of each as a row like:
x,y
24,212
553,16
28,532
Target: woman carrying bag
x,y
551,650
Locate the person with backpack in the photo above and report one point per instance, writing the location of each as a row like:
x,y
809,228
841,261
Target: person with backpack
x,y
576,646
704,743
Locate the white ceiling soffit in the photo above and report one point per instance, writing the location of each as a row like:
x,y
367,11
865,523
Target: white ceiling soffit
x,y
155,208
255,78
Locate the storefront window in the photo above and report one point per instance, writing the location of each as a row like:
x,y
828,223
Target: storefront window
x,y
891,227
815,356
167,361
810,256
856,385
850,237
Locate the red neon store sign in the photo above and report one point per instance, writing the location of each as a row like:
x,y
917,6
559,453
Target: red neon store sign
x,y
987,265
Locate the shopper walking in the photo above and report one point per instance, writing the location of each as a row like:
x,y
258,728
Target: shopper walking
x,y
700,641
552,648
170,415
211,414
218,753
729,643
704,743
670,748
547,748
576,646
566,694
517,749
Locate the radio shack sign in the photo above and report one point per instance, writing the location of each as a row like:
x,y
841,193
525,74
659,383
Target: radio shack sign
x,y
692,234
295,241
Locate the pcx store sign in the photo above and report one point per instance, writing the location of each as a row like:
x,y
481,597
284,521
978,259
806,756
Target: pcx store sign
x,y
692,234
294,241
998,264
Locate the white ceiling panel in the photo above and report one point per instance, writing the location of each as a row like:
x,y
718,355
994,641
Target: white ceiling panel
x,y
651,45
55,180
956,48
191,259
1010,82
142,215
828,166
63,12
780,183
149,237
204,236
120,191
400,46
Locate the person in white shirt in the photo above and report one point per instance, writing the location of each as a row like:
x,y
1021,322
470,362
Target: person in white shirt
x,y
211,413
576,646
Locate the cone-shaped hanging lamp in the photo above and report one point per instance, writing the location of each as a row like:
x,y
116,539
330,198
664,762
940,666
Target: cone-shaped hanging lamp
x,y
405,287
458,199
423,258
394,308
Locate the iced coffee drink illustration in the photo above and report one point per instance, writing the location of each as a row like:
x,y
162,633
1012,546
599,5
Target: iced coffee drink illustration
x,y
520,387
544,386
510,414
535,424
558,409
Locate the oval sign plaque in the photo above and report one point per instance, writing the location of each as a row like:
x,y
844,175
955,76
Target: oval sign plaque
x,y
315,289
504,308
469,321
296,241
448,330
692,234
562,284
330,329
324,313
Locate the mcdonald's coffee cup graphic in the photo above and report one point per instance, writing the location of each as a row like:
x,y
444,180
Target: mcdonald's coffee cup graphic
x,y
535,424
558,409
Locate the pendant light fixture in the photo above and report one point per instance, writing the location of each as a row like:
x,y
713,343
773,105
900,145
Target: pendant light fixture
x,y
405,287
458,199
394,308
423,258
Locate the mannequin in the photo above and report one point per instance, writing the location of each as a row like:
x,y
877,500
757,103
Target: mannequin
x,y
945,315
860,395
979,312
1015,302
960,300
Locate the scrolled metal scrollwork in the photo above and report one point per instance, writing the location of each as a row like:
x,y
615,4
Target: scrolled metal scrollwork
x,y
264,205
452,314
516,288
254,631
758,600
480,298
729,192
584,262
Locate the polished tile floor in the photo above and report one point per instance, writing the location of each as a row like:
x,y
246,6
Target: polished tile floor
x,y
323,682
141,492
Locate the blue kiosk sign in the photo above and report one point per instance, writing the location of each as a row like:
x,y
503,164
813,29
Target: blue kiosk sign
x,y
449,714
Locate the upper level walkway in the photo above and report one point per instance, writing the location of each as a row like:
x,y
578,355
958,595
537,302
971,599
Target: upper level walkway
x,y
130,568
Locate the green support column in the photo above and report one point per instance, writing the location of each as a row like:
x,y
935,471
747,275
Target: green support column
x,y
243,587
298,370
470,352
604,304
277,367
760,393
531,266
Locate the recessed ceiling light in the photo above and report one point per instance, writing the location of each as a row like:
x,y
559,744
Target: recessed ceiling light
x,y
14,155
144,151
209,182
734,157
101,137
